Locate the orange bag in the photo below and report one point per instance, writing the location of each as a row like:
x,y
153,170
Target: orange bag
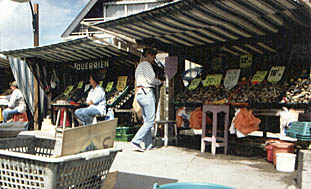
x,y
196,119
246,122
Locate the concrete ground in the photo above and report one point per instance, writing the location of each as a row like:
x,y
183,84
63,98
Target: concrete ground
x,y
140,170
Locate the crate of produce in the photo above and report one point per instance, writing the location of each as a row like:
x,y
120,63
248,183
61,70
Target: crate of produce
x,y
300,128
127,130
28,162
124,137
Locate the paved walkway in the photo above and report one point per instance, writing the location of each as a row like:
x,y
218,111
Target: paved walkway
x,y
175,164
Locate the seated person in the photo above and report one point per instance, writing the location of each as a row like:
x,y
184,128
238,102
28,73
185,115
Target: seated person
x,y
96,101
16,103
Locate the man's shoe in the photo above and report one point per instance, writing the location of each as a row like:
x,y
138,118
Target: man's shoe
x,y
137,147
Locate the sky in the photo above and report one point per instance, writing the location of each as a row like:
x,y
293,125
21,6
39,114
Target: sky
x,y
54,18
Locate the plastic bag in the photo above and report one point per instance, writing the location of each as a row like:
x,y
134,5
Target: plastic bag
x,y
182,118
137,110
246,122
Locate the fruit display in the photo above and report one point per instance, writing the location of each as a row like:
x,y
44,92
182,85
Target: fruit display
x,y
118,98
294,91
299,91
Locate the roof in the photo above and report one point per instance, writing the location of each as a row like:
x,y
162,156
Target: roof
x,y
220,25
4,63
79,18
83,49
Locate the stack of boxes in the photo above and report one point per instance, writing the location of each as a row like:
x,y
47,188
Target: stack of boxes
x,y
126,133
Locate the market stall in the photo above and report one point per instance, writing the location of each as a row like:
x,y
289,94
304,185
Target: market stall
x,y
62,70
253,53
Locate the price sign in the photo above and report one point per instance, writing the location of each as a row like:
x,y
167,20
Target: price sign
x,y
217,63
259,76
109,86
246,61
80,84
100,83
194,83
68,90
213,79
121,83
276,73
232,78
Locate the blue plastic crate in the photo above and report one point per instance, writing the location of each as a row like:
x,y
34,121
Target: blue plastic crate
x,y
300,128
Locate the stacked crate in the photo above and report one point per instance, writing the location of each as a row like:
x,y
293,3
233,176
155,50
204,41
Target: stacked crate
x,y
300,130
126,133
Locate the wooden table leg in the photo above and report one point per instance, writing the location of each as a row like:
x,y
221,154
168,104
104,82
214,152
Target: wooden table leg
x,y
166,134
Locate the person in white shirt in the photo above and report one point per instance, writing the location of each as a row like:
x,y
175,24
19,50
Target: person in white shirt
x,y
145,83
16,103
96,101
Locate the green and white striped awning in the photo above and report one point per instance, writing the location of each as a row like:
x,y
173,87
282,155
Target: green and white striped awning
x,y
229,26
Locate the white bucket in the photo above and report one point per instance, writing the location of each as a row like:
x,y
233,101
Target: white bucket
x,y
285,162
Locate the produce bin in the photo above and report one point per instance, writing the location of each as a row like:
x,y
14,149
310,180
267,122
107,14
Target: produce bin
x,y
28,162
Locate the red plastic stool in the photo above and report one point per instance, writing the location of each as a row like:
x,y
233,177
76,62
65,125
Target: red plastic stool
x,y
21,117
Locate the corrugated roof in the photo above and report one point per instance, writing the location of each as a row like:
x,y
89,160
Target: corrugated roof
x,y
215,23
83,49
4,63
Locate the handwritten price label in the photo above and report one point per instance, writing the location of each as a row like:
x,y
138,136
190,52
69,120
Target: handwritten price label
x,y
121,83
276,73
109,86
259,76
246,61
214,79
80,84
217,63
194,83
68,90
232,78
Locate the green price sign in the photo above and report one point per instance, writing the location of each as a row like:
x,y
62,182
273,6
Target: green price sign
x,y
246,61
214,79
259,76
68,90
109,86
100,83
80,84
194,83
276,73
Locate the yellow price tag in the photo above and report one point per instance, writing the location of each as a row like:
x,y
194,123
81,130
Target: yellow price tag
x,y
246,61
194,83
259,76
109,86
80,84
100,83
214,79
68,90
121,83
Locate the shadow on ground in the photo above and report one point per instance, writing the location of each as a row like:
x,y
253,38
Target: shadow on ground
x,y
125,180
